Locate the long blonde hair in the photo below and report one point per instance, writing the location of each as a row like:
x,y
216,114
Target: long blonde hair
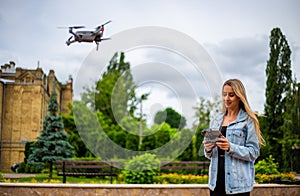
x,y
239,90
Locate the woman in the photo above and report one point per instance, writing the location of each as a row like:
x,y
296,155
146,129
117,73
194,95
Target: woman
x,y
232,157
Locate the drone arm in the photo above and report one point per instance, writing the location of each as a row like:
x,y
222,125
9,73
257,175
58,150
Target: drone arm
x,y
69,41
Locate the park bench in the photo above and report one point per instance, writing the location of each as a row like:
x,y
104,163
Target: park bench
x,y
197,167
86,168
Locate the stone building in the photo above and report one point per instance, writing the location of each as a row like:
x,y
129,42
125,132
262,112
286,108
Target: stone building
x,y
24,98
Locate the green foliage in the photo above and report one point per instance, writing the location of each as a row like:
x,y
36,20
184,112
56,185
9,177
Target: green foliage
x,y
275,178
267,166
188,136
141,169
180,179
205,110
26,168
80,149
53,143
170,116
291,126
161,135
115,92
278,71
28,150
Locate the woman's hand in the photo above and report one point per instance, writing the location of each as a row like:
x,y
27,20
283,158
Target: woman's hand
x,y
223,143
208,146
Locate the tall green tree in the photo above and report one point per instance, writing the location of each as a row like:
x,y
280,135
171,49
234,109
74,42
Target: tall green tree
x,y
53,143
115,91
279,79
291,128
114,100
170,116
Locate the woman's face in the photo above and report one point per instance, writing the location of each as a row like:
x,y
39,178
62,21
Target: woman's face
x,y
231,101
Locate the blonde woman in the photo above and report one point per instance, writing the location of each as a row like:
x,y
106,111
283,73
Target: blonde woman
x,y
232,157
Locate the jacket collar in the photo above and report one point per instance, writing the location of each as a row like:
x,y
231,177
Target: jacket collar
x,y
242,115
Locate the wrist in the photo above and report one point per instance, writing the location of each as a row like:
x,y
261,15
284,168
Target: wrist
x,y
208,151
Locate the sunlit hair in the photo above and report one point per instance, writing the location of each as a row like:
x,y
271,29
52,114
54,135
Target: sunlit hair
x,y
239,90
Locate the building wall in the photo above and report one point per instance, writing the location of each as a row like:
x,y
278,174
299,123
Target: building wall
x,y
67,96
1,117
25,102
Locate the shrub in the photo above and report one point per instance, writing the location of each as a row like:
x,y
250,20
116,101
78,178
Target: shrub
x,y
267,166
274,178
21,168
181,179
25,168
141,169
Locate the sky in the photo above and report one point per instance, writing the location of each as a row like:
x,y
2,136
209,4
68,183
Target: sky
x,y
233,35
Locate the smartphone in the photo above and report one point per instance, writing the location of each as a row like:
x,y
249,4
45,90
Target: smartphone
x,y
211,136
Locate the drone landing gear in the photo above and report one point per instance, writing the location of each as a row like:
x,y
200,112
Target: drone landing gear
x,y
97,46
68,42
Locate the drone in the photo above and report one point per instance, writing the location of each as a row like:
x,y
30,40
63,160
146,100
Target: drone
x,y
86,36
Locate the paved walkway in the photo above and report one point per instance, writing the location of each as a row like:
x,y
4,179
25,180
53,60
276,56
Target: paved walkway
x,y
16,175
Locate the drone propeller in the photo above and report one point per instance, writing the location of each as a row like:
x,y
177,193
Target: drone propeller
x,y
77,27
74,27
103,25
106,23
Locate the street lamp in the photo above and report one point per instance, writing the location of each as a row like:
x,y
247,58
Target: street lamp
x,y
140,100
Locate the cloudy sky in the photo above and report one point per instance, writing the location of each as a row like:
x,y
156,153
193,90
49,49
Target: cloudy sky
x,y
235,35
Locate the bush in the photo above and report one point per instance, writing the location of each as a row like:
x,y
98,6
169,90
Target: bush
x,y
274,178
267,166
181,179
141,169
25,168
21,168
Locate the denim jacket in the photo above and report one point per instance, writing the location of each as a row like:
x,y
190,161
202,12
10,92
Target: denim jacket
x,y
239,160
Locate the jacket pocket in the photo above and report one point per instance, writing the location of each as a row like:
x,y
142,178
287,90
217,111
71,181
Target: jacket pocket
x,y
239,137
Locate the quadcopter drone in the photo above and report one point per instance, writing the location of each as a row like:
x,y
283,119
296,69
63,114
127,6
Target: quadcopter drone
x,y
86,36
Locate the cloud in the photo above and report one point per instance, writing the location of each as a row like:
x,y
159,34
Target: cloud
x,y
244,58
234,34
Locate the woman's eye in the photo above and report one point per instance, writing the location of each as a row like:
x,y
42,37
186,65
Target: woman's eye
x,y
229,94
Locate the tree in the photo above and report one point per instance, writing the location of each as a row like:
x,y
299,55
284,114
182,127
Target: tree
x,y
115,91
291,127
205,110
53,143
80,149
170,116
279,79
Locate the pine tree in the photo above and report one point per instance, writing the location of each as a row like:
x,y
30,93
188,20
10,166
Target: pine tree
x,y
279,79
53,143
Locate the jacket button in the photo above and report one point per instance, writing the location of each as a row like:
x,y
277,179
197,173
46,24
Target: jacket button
x,y
228,173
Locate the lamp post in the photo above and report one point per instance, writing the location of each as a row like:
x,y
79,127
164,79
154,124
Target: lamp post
x,y
140,100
